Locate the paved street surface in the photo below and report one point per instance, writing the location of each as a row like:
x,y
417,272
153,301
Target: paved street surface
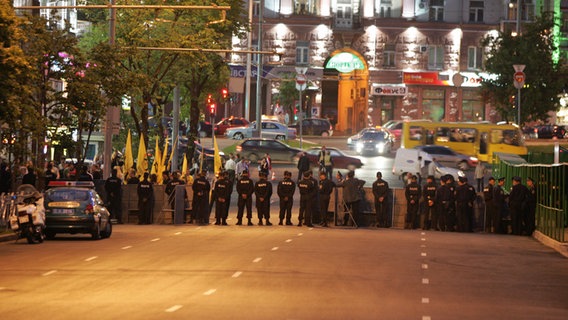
x,y
279,272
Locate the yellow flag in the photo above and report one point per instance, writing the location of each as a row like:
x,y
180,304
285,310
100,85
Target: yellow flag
x,y
128,159
169,166
163,163
142,160
216,157
184,166
157,159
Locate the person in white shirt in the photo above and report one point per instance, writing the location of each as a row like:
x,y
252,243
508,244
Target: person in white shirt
x,y
230,167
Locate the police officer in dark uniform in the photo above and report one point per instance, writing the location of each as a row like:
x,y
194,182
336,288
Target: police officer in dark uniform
x,y
451,214
412,193
325,188
285,190
263,192
201,188
443,197
223,196
380,192
491,222
518,205
171,186
245,189
145,194
429,196
531,207
500,206
113,188
308,191
465,196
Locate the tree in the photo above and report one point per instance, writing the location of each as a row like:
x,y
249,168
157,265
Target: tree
x,y
533,48
288,94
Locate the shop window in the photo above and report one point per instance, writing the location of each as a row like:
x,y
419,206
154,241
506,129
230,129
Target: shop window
x,y
476,11
437,10
302,52
527,10
433,105
389,56
435,57
474,58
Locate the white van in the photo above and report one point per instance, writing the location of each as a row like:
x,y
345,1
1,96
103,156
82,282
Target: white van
x,y
416,162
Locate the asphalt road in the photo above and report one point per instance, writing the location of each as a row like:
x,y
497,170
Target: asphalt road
x,y
230,272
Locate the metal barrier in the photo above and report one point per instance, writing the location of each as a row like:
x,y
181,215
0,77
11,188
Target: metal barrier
x,y
551,182
6,202
551,222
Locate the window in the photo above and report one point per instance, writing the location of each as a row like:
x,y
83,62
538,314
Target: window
x,y
474,57
435,57
302,52
437,10
527,10
388,55
476,11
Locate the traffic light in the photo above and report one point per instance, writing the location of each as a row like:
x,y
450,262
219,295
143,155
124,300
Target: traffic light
x,y
209,99
212,109
225,93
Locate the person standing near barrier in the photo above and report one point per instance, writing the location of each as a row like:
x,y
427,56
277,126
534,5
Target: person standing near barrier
x,y
171,186
443,197
223,197
263,192
241,167
451,214
412,193
480,175
49,175
285,191
245,189
201,188
352,188
303,165
308,192
465,196
531,207
113,188
491,221
145,193
429,197
500,206
380,192
518,205
325,188
230,168
325,161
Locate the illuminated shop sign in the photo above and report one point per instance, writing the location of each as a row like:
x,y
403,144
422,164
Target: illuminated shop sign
x,y
388,90
345,62
470,79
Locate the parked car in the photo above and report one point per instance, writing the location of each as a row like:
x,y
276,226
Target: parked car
x,y
230,122
352,141
550,131
209,160
255,148
315,127
270,130
204,129
339,159
447,157
75,207
374,142
415,162
530,133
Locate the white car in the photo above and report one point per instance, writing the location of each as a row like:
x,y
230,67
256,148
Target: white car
x,y
416,162
270,130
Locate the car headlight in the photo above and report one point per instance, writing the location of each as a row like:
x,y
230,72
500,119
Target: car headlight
x,y
381,146
461,173
349,140
359,145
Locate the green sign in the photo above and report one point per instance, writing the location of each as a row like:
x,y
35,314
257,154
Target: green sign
x,y
345,62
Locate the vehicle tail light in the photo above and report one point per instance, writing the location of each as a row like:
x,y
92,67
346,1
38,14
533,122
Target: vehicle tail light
x,y
239,148
89,209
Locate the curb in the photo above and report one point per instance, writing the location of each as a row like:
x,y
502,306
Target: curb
x,y
561,247
7,237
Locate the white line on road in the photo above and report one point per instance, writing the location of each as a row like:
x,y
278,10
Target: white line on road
x,y
422,239
423,254
49,273
177,233
422,246
257,260
426,318
300,234
236,274
91,258
174,308
425,281
274,248
425,300
422,233
127,247
289,240
209,292
424,266
155,239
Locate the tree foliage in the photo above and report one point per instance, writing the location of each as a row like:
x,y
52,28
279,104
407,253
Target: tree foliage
x,y
544,79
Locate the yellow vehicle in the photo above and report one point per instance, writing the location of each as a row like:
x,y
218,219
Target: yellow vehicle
x,y
478,139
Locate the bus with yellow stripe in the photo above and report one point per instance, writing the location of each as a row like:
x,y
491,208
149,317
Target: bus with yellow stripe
x,y
477,139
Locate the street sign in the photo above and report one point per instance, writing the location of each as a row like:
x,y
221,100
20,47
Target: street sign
x,y
519,67
301,82
519,79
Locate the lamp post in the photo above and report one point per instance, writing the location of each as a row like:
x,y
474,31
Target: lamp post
x,y
259,74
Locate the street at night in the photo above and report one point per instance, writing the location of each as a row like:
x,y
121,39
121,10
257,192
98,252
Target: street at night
x,y
231,272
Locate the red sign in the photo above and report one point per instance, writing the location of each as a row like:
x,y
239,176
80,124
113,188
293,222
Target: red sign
x,y
301,79
428,78
520,77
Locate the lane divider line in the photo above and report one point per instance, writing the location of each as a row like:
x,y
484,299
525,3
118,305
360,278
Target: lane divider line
x,y
127,247
49,273
174,308
177,233
257,260
424,254
422,246
426,318
289,240
209,292
300,234
422,239
236,274
274,248
155,239
425,300
91,258
424,266
425,281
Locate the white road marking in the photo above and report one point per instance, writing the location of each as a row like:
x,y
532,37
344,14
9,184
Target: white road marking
x,y
422,246
236,274
209,292
155,239
423,254
197,228
274,248
425,281
424,266
300,234
91,258
425,300
174,308
289,240
426,318
422,233
177,233
49,273
422,239
257,260
127,247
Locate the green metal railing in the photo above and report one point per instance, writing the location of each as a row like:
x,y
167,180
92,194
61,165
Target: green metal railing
x,y
551,181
